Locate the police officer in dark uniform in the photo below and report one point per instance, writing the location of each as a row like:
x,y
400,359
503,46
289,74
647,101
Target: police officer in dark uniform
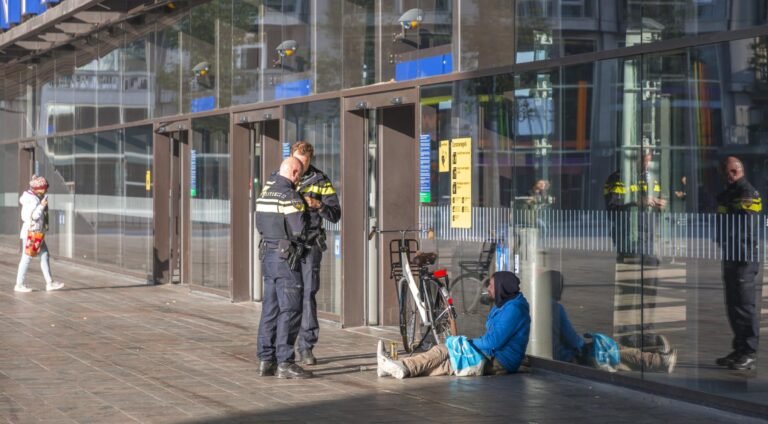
x,y
741,263
281,221
322,203
645,195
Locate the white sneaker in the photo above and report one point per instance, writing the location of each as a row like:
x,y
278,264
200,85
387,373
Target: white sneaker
x,y
394,368
22,289
54,285
381,358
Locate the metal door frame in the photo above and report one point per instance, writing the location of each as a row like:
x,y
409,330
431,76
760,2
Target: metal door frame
x,y
161,146
244,273
354,228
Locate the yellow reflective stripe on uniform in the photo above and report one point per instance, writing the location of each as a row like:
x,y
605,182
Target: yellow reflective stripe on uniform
x,y
750,204
657,188
324,190
617,188
633,188
267,207
289,209
722,209
285,207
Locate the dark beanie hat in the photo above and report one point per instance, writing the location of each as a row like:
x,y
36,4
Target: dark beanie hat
x,y
507,287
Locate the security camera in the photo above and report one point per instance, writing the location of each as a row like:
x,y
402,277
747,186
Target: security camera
x,y
201,69
203,74
285,49
409,20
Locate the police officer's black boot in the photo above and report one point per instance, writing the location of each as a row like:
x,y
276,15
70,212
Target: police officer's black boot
x,y
267,368
307,358
727,359
291,370
745,361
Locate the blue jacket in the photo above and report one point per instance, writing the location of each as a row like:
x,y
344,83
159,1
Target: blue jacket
x,y
506,333
566,342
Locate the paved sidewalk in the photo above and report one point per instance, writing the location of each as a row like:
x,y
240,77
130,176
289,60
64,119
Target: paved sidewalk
x,y
109,349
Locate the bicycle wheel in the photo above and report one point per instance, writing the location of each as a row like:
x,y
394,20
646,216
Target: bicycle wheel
x,y
466,291
442,313
409,317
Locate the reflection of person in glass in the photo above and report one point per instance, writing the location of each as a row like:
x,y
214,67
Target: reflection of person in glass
x,y
682,192
644,194
540,199
652,352
740,264
540,194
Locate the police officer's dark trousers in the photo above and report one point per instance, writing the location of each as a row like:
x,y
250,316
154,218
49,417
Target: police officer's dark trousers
x,y
740,303
280,309
310,271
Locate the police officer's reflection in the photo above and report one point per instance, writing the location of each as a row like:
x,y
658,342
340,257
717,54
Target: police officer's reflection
x,y
281,221
741,263
644,195
634,211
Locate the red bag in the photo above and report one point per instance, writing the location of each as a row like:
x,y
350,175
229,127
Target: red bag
x,y
33,243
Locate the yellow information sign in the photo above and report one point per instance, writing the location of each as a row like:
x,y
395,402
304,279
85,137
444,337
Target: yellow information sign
x,y
445,158
461,183
148,180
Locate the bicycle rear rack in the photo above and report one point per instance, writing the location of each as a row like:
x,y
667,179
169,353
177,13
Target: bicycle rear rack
x,y
396,266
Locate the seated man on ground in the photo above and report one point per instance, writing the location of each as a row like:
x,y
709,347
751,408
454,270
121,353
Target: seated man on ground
x,y
503,344
568,346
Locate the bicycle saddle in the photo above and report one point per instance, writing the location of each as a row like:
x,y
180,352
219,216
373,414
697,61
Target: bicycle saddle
x,y
424,258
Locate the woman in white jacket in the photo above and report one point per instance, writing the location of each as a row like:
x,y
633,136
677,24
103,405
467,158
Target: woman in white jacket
x,y
34,213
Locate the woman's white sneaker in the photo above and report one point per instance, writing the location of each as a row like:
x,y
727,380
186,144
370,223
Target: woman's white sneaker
x,y
22,289
53,285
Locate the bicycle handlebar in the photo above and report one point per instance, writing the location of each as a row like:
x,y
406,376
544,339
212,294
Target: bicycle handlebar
x,y
375,230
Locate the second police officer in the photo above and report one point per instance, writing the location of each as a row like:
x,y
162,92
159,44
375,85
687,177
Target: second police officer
x,y
322,204
281,221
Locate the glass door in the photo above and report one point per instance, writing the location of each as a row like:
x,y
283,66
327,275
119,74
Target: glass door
x,y
209,164
386,122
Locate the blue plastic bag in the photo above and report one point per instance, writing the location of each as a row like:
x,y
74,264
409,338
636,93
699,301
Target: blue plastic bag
x,y
465,359
603,352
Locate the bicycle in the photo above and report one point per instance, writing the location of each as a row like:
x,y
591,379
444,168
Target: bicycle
x,y
474,279
426,307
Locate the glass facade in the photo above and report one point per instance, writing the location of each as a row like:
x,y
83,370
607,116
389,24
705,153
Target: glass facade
x,y
99,194
605,176
593,169
9,211
209,203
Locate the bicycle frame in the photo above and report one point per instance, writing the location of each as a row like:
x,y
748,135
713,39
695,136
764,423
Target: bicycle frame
x,y
415,292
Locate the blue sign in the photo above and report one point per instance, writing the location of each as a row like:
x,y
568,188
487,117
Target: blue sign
x,y
32,7
291,89
337,246
425,168
11,11
286,150
424,67
202,104
193,173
